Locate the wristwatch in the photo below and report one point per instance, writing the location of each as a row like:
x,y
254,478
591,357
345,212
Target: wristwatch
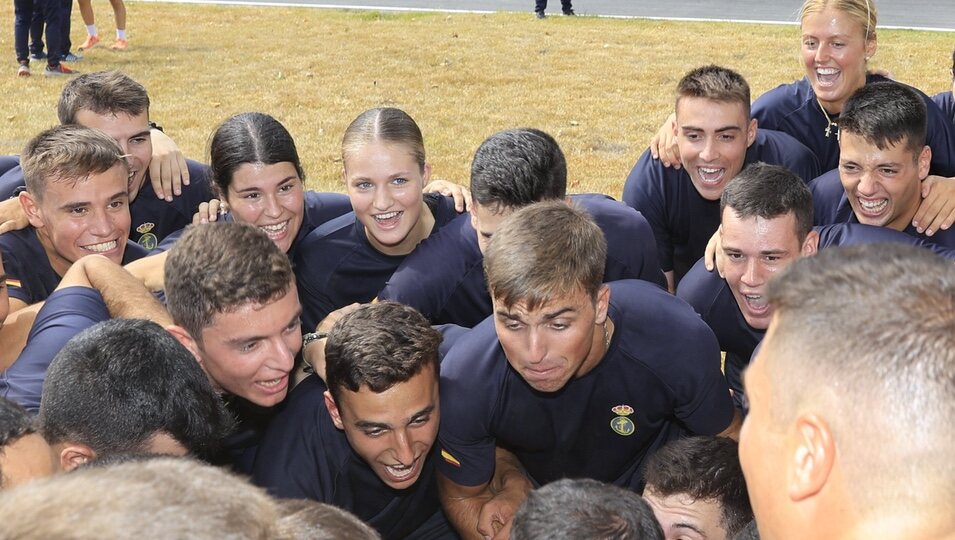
x,y
312,336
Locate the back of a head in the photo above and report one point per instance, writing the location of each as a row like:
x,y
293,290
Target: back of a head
x,y
103,92
584,508
219,267
769,191
118,384
312,520
715,83
543,251
703,468
155,499
379,345
251,137
67,153
864,336
517,167
885,114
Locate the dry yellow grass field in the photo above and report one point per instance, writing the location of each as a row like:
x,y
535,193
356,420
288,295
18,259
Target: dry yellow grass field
x,y
601,86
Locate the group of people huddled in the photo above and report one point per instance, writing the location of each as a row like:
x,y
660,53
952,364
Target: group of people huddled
x,y
215,351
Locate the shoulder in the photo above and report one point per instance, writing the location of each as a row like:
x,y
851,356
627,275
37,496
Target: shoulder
x,y
322,207
780,148
475,359
782,100
442,208
11,179
827,197
701,289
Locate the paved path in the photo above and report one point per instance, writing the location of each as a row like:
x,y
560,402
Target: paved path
x,y
924,14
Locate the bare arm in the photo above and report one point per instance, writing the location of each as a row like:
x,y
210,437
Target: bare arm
x,y
732,430
485,511
124,294
14,333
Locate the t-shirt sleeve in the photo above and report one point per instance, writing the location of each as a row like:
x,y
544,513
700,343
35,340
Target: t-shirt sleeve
x,y
316,305
322,207
467,397
643,191
696,289
65,313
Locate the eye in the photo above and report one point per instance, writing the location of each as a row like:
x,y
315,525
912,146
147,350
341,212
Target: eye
x,y
848,168
559,326
254,196
79,211
295,326
138,140
772,258
115,205
692,136
809,43
888,172
248,347
363,185
374,433
838,45
733,255
513,325
400,181
421,421
726,137
285,188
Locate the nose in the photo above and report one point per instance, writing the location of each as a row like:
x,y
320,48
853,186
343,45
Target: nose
x,y
383,199
100,224
536,348
752,276
710,152
272,207
867,184
282,356
404,451
822,53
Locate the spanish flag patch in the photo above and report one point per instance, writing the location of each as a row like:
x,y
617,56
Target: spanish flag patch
x,y
14,283
449,458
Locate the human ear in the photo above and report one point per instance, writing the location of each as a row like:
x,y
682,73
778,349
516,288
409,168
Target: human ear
x,y
333,410
184,338
603,304
74,455
810,245
31,207
814,457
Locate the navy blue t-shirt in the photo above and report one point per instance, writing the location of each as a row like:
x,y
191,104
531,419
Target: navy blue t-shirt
x,y
831,205
793,109
65,313
444,277
336,265
152,219
659,380
946,103
30,277
681,219
7,163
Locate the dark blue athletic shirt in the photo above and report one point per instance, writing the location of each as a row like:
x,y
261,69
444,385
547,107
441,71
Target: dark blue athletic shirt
x,y
681,219
831,205
7,163
444,277
66,313
946,103
26,262
304,456
711,296
793,109
152,218
336,265
659,380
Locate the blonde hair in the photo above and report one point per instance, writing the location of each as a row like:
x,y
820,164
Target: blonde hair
x,y
862,11
387,125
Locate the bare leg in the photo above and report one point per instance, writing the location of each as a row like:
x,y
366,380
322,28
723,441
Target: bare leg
x,y
119,10
86,10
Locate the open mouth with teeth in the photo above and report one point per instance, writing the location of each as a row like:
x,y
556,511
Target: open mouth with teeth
x,y
827,77
872,208
277,230
402,473
102,247
711,176
274,386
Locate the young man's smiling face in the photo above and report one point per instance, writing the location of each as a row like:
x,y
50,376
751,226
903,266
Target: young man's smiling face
x,y
392,430
713,137
131,133
883,185
83,216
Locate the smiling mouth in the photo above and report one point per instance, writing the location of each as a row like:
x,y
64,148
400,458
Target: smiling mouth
x,y
711,176
102,247
873,208
276,230
273,385
756,303
403,473
827,77
387,217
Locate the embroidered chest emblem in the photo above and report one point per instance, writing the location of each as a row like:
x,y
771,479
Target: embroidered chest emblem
x,y
148,240
620,423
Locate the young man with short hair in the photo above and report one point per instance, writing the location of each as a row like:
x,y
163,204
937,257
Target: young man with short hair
x,y
696,489
851,398
24,455
113,102
883,159
570,376
444,277
126,385
766,224
77,202
717,138
363,442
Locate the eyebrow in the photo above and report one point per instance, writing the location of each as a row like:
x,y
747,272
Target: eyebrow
x,y
365,424
718,130
247,339
145,133
256,188
692,527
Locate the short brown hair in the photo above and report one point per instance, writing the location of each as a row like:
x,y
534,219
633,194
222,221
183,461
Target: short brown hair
x,y
219,267
68,154
543,251
715,83
103,92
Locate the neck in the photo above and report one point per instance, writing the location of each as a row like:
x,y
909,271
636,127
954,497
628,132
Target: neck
x,y
58,262
600,344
